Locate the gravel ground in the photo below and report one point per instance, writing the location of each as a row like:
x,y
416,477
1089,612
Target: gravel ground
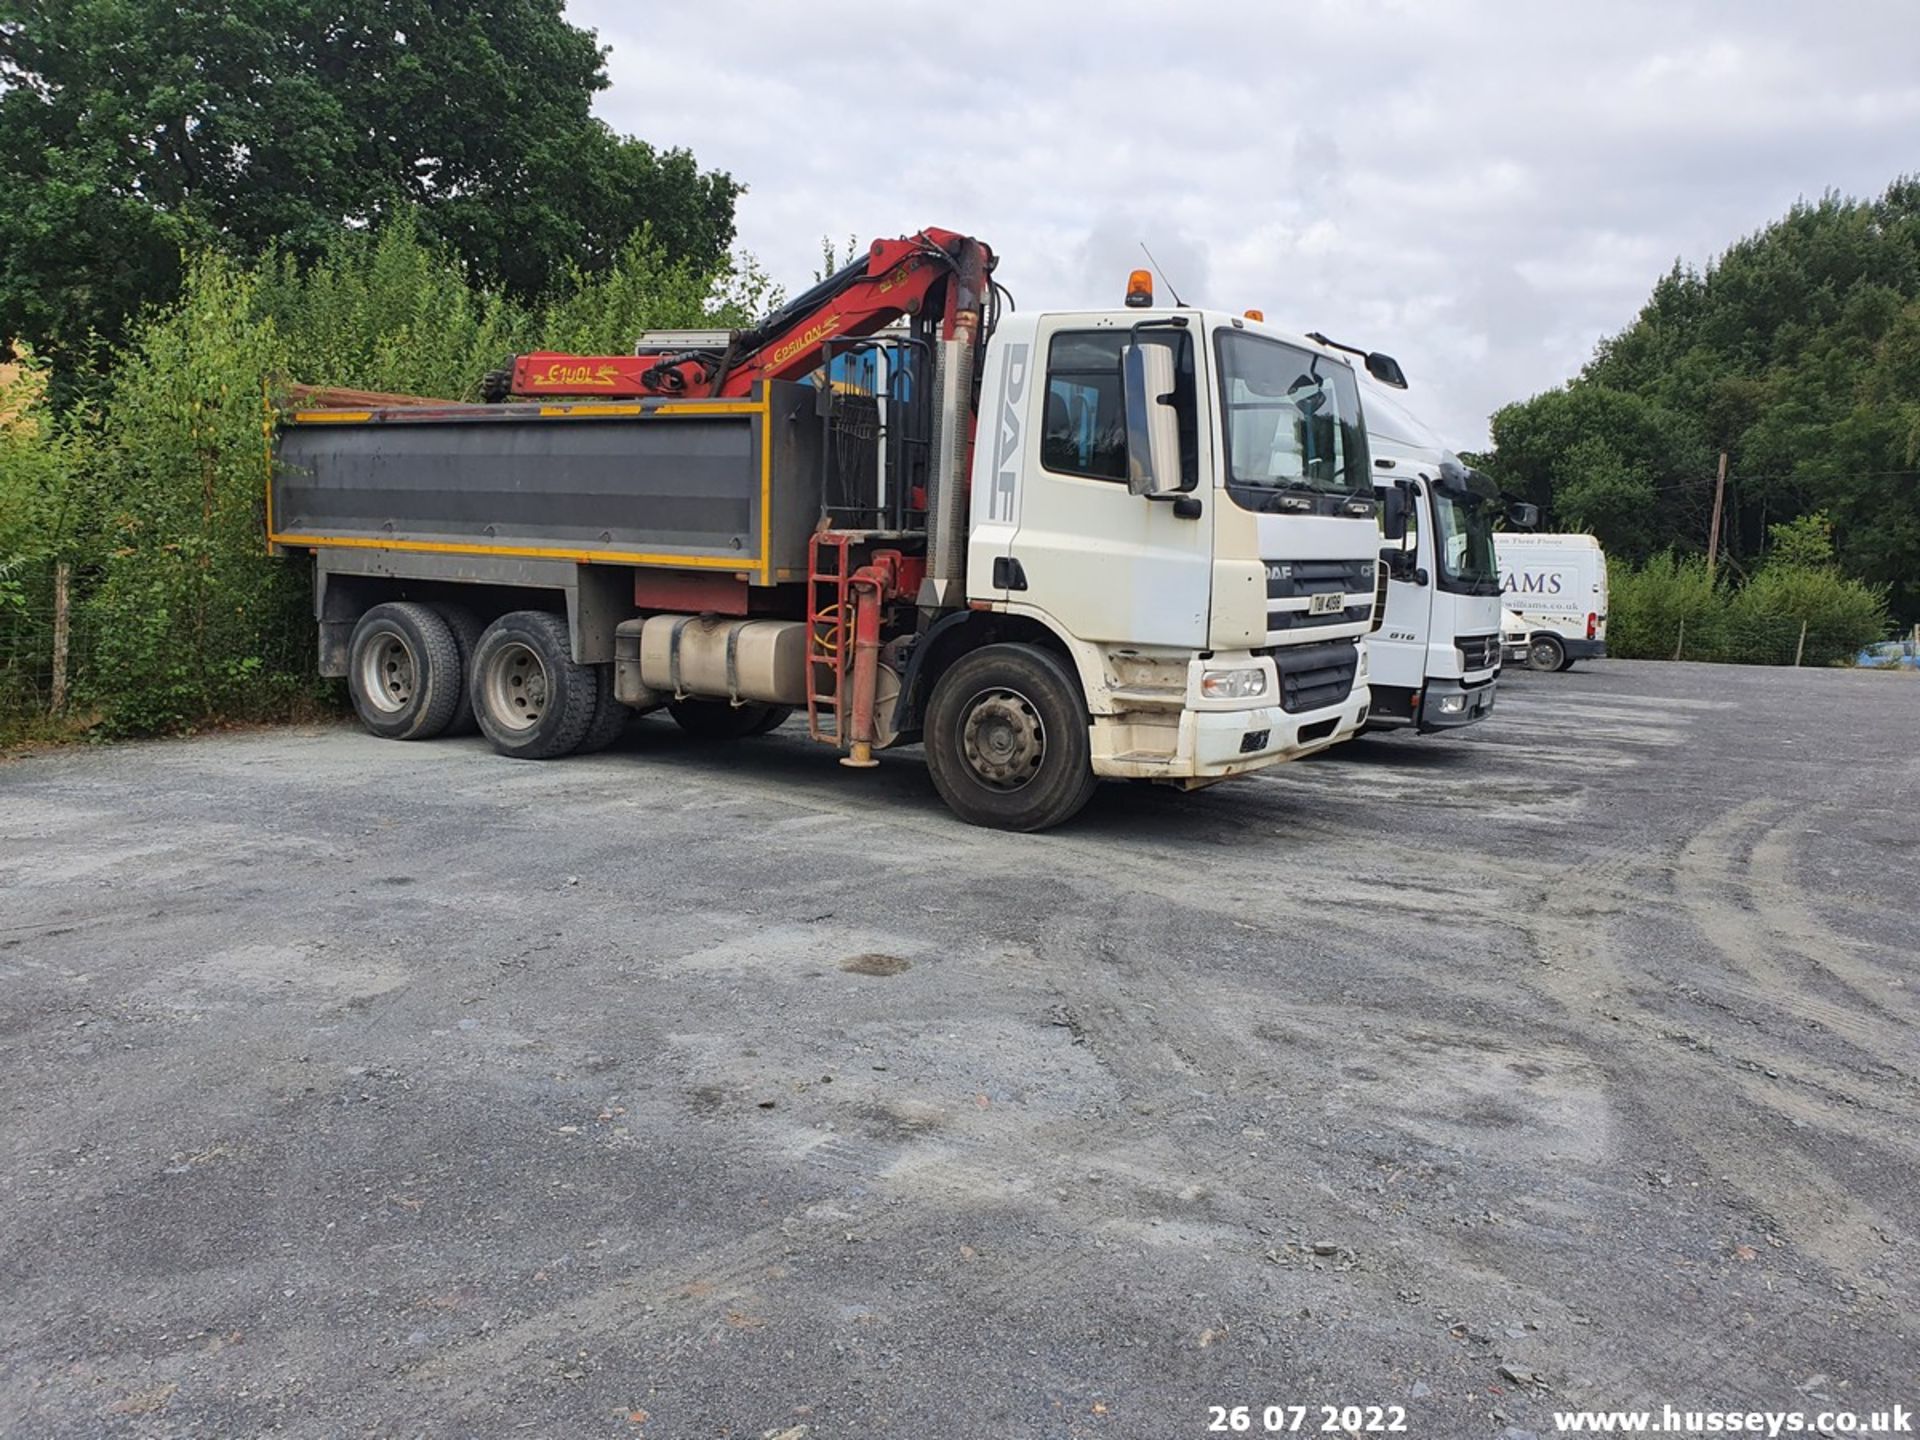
x,y
354,1088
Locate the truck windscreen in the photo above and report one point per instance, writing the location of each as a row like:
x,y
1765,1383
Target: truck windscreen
x,y
1292,421
1463,542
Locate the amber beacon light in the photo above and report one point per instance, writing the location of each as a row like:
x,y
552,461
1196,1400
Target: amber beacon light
x,y
1139,290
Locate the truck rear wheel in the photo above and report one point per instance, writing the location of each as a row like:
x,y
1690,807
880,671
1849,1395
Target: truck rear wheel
x,y
1545,652
610,717
723,720
403,671
1007,740
466,629
532,699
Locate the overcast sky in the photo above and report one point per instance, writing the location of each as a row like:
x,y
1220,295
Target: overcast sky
x,y
1482,189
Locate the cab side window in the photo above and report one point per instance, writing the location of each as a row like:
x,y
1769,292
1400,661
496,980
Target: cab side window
x,y
1085,429
1085,432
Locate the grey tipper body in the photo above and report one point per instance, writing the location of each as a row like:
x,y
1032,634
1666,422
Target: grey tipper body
x,y
656,477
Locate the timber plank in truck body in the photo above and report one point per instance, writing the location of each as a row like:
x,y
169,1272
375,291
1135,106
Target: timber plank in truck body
x,y
708,485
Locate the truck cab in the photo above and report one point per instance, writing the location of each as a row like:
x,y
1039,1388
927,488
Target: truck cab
x,y
1436,654
1209,564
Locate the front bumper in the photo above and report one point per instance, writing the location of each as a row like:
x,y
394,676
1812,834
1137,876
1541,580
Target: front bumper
x,y
1440,705
1208,745
1447,704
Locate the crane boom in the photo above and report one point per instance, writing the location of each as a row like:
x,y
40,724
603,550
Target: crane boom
x,y
894,278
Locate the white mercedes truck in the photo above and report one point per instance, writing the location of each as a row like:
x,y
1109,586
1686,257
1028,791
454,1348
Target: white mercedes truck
x,y
1435,656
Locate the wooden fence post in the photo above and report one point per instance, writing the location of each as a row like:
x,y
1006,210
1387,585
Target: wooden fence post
x,y
1801,648
1681,643
62,586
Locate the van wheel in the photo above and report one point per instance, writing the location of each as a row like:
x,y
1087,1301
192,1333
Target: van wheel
x,y
467,630
1544,652
1007,740
610,717
532,699
723,720
403,671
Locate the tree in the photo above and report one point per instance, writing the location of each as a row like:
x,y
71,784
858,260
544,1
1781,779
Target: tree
x,y
134,130
1804,544
1795,353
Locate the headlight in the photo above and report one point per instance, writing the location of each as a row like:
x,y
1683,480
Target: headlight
x,y
1363,662
1233,684
1452,704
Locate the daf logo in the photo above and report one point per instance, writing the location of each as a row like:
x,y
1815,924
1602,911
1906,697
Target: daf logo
x,y
1277,571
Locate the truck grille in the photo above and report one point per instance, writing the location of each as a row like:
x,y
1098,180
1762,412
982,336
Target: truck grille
x,y
1479,652
1291,579
1315,675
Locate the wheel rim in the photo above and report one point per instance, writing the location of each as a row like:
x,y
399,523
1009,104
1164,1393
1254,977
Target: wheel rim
x,y
515,686
1003,739
1545,654
387,671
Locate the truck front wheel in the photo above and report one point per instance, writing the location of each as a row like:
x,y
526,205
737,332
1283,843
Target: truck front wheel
x,y
1007,740
403,671
533,700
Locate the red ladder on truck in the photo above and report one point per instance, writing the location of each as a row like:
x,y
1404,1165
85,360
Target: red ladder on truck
x,y
829,633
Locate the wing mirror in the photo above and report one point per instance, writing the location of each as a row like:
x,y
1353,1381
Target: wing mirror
x,y
1400,565
1386,370
1523,517
1393,511
1153,425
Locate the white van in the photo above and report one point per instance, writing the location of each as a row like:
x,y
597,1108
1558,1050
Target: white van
x,y
1555,591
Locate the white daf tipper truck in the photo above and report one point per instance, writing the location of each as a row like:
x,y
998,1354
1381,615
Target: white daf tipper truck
x,y
1153,556
1435,657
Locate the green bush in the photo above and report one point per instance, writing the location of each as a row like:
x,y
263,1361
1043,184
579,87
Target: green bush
x,y
1668,603
191,619
1839,616
1796,609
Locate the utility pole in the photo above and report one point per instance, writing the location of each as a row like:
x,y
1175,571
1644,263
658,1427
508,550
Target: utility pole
x,y
1713,535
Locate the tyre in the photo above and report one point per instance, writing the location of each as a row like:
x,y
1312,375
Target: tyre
x,y
723,720
403,671
1545,652
776,716
467,629
532,699
1007,742
610,717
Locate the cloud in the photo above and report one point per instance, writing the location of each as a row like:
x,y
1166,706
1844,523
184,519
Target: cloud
x,y
1483,189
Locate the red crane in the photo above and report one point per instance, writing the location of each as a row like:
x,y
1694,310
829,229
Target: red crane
x,y
894,278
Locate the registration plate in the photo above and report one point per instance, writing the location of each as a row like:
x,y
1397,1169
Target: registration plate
x,y
1326,604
